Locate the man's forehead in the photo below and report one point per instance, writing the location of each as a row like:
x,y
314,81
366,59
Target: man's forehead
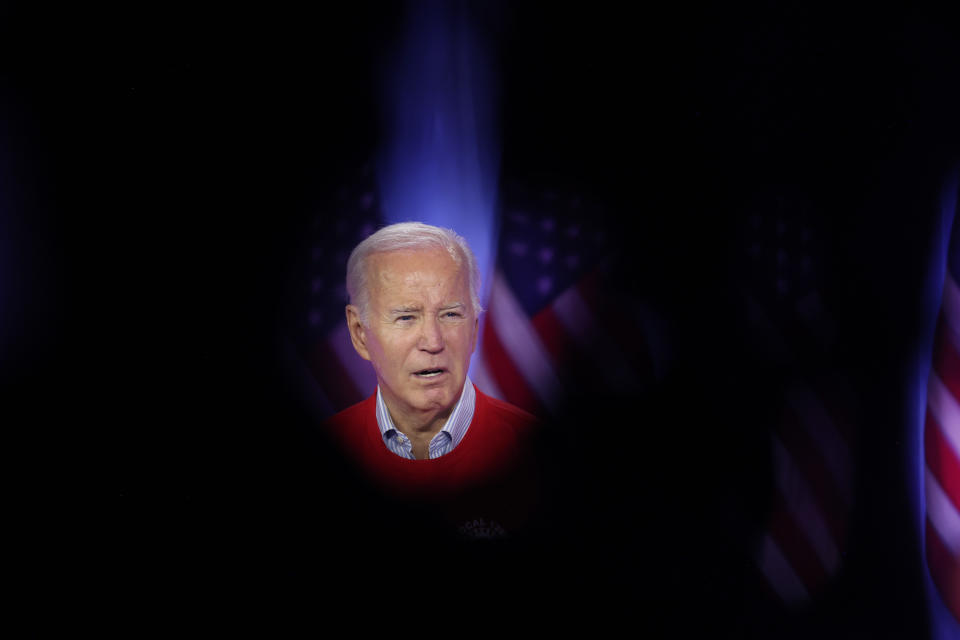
x,y
404,262
398,275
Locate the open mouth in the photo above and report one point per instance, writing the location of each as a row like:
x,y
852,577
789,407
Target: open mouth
x,y
428,373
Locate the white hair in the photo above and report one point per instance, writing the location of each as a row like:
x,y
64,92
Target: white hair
x,y
408,236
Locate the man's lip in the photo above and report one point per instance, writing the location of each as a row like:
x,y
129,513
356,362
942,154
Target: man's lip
x,y
442,370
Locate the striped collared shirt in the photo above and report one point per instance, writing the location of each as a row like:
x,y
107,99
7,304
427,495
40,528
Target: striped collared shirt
x,y
445,441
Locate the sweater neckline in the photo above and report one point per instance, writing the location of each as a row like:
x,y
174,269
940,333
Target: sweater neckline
x,y
373,432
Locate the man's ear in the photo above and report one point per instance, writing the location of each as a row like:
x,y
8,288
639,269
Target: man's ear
x,y
358,335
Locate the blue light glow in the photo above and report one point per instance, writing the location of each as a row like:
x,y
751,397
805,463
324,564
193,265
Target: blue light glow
x,y
441,155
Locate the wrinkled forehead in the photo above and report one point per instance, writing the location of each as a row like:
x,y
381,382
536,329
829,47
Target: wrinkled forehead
x,y
432,267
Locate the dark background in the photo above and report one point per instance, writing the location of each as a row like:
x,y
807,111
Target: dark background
x,y
160,162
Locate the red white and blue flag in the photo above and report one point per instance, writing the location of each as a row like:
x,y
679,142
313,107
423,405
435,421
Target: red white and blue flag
x,y
338,376
813,442
545,334
549,333
941,442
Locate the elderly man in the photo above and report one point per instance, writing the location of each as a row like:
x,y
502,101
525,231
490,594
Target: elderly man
x,y
428,433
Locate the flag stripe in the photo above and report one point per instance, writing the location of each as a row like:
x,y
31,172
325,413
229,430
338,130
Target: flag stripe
x,y
796,548
573,313
556,340
946,361
328,370
944,569
481,374
572,310
941,460
943,515
778,572
500,365
359,370
578,371
819,424
589,289
809,461
942,451
518,338
945,409
803,507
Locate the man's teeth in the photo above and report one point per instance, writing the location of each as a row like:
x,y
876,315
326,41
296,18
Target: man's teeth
x,y
429,373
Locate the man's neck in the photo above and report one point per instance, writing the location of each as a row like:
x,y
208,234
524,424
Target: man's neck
x,y
418,425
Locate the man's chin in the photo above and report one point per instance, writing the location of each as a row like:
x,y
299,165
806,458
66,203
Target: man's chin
x,y
434,401
436,398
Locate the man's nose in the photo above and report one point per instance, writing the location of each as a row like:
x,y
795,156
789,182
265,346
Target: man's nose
x,y
431,337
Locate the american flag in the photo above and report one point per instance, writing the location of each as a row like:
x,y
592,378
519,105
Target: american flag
x,y
340,377
541,334
813,442
548,335
941,441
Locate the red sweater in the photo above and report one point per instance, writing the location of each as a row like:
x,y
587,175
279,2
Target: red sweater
x,y
485,485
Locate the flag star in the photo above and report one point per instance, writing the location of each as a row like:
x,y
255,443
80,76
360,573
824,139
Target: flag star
x,y
548,225
366,201
317,285
573,230
573,261
315,317
546,255
518,248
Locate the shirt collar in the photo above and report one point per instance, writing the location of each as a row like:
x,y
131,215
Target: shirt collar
x,y
456,425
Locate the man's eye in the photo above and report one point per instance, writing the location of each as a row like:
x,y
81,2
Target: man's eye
x,y
405,318
453,314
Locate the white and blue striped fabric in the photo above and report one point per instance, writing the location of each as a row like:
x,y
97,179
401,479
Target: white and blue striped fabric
x,y
446,439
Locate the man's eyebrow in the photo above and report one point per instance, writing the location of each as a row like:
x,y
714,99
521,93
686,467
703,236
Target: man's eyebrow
x,y
406,309
452,305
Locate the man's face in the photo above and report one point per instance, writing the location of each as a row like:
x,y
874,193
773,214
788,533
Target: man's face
x,y
421,329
